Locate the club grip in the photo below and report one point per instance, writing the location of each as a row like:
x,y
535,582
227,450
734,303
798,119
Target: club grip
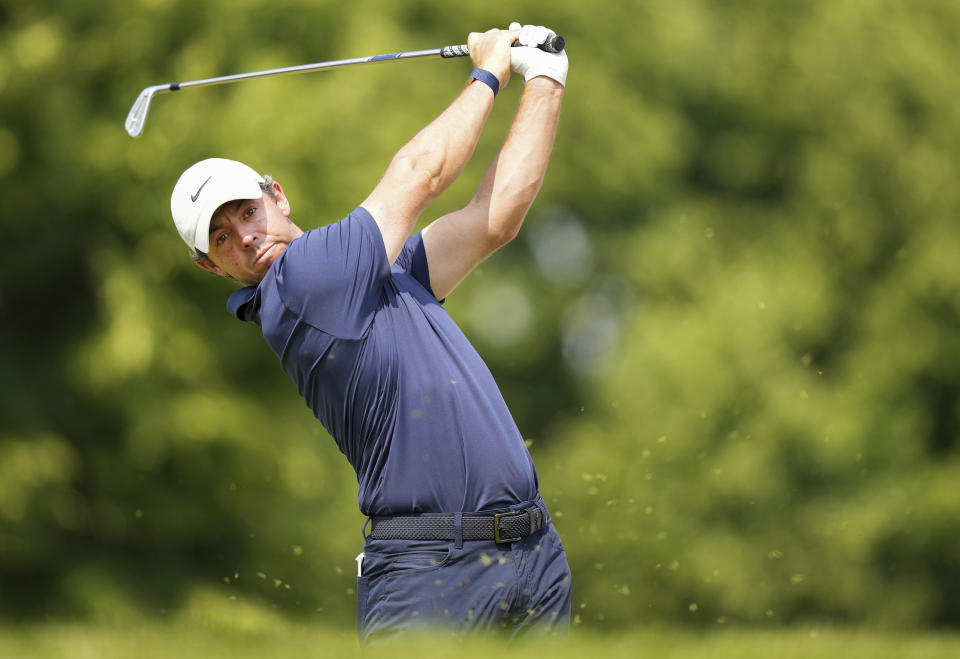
x,y
554,45
455,51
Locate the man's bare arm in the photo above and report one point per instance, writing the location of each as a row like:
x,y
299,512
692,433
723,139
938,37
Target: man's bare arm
x,y
435,157
456,243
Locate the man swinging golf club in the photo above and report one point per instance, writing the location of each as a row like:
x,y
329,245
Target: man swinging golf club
x,y
458,535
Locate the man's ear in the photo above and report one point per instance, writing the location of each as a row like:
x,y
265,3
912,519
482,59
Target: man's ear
x,y
210,266
282,202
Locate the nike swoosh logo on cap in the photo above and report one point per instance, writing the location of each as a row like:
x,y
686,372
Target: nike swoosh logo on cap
x,y
196,196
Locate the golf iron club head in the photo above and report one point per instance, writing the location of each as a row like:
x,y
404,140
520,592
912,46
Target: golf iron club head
x,y
137,116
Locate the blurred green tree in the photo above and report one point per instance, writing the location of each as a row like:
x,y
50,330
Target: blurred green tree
x,y
733,315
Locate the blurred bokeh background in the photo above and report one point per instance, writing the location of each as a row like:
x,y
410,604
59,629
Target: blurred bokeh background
x,y
730,330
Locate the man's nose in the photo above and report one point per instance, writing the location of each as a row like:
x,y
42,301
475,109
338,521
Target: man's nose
x,y
248,236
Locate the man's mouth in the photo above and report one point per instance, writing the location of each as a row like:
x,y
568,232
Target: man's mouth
x,y
263,252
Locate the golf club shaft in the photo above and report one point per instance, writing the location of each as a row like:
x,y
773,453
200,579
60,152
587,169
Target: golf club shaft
x,y
554,46
302,68
137,116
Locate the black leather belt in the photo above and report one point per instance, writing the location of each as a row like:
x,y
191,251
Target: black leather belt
x,y
499,527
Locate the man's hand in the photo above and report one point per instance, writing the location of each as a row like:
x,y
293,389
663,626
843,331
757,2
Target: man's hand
x,y
490,50
529,61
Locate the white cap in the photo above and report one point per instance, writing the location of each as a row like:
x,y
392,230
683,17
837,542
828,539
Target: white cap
x,y
202,188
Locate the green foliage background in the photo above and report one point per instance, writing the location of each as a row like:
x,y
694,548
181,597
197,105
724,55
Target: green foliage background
x,y
729,329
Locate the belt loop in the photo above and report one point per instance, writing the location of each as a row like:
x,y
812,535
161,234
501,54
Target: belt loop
x,y
544,515
535,519
363,530
458,530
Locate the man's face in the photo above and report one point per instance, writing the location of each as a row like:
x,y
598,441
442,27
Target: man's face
x,y
248,235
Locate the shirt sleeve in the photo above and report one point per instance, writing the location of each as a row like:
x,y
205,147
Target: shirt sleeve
x,y
413,259
333,277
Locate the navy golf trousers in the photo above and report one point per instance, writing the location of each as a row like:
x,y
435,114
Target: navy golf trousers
x,y
409,585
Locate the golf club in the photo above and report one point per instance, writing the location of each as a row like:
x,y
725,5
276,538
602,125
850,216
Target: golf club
x,y
137,116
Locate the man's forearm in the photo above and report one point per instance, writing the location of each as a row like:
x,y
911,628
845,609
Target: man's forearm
x,y
513,180
427,165
436,156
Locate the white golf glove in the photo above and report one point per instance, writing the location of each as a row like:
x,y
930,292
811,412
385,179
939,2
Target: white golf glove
x,y
529,61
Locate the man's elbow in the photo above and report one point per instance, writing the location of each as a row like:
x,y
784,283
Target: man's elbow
x,y
507,226
511,218
418,174
501,235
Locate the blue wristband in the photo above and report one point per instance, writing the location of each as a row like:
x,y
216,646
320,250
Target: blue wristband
x,y
486,78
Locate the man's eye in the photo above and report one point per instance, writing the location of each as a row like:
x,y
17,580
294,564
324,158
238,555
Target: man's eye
x,y
222,238
250,211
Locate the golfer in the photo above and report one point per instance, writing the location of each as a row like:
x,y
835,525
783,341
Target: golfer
x,y
458,535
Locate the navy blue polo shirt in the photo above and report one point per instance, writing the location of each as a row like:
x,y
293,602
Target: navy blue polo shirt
x,y
388,373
